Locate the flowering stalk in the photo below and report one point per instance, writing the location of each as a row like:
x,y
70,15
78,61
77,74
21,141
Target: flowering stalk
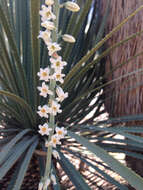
x,y
52,97
53,75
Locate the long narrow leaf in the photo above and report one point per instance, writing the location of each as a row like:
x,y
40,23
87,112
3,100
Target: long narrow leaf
x,y
121,132
20,148
10,73
72,173
86,57
20,101
14,175
7,147
57,185
14,50
134,180
35,27
24,166
106,176
78,25
84,69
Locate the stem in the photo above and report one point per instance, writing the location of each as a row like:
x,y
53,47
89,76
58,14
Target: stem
x,y
52,97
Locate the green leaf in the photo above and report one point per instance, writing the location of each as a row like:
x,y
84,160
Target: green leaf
x,y
24,165
8,65
9,109
22,102
123,119
17,152
125,141
93,50
5,141
103,22
35,28
86,68
13,48
14,175
121,132
8,146
41,162
133,129
134,180
3,130
101,172
78,25
57,186
72,173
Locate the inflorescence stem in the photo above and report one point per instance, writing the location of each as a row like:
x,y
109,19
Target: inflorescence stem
x,y
53,76
52,97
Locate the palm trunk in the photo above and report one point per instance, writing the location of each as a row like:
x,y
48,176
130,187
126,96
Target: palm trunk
x,y
126,94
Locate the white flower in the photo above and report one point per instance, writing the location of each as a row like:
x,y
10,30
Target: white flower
x,y
44,74
58,76
44,90
43,111
49,25
47,13
46,36
47,183
53,178
61,94
56,154
53,47
72,6
49,2
40,187
58,64
54,141
68,38
54,108
61,132
44,129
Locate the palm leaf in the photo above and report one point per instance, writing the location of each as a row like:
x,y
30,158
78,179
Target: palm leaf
x,y
35,27
17,152
12,44
24,166
102,173
135,180
8,147
73,174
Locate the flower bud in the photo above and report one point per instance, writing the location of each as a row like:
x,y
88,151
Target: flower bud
x,y
49,2
68,38
72,6
48,25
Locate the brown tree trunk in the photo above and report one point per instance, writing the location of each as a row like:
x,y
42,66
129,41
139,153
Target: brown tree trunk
x,y
125,101
126,94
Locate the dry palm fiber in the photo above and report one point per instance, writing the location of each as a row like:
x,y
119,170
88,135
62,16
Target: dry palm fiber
x,y
126,94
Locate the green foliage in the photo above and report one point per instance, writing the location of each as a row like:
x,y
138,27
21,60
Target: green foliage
x,y
22,55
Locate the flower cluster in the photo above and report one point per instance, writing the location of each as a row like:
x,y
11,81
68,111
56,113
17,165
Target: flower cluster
x,y
52,75
54,72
